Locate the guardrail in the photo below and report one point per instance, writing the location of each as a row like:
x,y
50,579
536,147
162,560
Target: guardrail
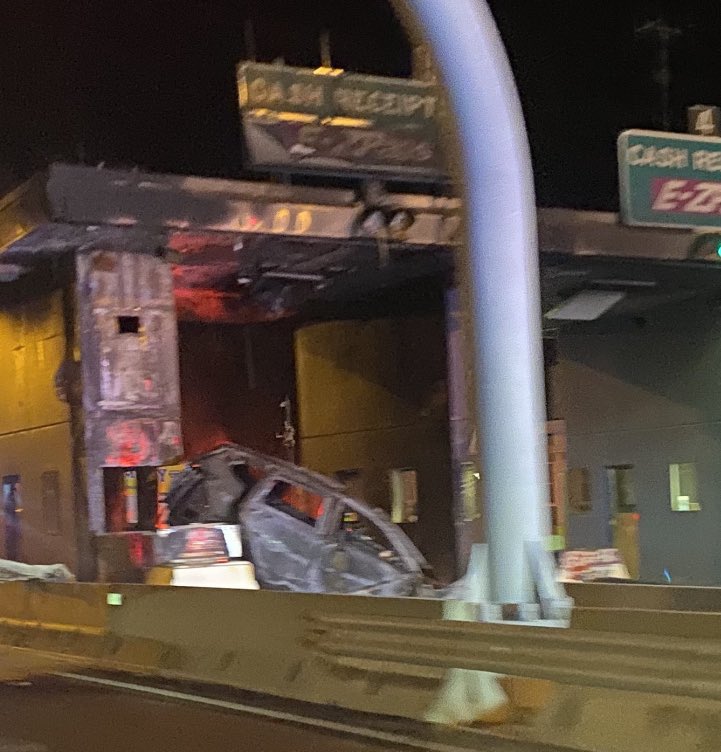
x,y
642,663
661,610
645,597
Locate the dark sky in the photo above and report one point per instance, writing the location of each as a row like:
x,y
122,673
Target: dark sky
x,y
151,82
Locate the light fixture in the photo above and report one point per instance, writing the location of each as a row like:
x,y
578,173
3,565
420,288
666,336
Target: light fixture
x,y
326,70
379,221
400,222
373,222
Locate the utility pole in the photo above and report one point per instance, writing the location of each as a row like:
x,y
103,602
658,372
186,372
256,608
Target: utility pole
x,y
249,38
326,59
662,34
499,267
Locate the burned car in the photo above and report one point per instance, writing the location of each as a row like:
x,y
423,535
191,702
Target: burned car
x,y
301,530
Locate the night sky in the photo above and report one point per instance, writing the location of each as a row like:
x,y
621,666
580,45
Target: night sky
x,y
152,83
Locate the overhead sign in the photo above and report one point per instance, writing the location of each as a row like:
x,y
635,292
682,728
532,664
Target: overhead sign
x,y
669,179
330,121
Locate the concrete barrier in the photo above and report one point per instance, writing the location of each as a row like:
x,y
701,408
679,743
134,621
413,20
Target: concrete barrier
x,y
255,640
394,657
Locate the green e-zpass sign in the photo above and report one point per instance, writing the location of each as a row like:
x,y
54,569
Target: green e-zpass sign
x,y
669,179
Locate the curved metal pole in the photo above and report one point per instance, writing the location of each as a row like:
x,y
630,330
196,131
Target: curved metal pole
x,y
502,280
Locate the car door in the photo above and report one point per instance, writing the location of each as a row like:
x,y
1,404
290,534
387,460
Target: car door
x,y
372,556
281,535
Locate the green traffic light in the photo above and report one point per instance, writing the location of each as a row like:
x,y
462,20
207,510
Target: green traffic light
x,y
718,249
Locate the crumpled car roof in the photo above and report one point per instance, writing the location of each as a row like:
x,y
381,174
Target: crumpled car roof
x,y
323,486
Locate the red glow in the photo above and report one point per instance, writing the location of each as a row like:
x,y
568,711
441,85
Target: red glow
x,y
135,551
203,243
205,438
208,305
131,447
205,286
161,516
303,500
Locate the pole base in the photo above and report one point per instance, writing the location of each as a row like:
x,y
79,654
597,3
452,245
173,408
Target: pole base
x,y
551,605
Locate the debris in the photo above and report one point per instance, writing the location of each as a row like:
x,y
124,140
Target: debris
x,y
15,570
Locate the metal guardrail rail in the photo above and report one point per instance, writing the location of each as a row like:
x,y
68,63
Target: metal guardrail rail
x,y
643,663
662,610
646,597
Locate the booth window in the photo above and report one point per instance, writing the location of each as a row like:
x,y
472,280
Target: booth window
x,y
579,490
620,486
470,491
683,487
12,515
128,325
50,485
404,490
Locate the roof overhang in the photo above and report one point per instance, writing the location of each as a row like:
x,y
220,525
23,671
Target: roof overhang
x,y
238,245
87,197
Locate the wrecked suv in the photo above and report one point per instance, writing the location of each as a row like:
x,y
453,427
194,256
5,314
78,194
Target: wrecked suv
x,y
301,530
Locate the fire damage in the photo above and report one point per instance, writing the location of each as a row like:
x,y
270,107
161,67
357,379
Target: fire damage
x,y
301,530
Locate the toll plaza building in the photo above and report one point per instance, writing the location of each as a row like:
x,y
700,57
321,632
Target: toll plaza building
x,y
147,318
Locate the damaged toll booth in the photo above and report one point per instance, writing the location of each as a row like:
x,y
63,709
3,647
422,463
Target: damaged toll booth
x,y
146,319
91,380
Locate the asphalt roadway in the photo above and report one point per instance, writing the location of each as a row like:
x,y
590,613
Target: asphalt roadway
x,y
59,715
53,707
